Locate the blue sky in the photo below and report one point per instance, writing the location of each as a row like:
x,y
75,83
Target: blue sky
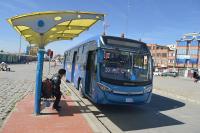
x,y
154,21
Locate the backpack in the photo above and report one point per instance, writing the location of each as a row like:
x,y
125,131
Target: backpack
x,y
47,88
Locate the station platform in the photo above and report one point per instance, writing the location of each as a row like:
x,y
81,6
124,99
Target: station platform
x,y
67,120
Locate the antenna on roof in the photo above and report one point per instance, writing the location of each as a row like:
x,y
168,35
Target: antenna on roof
x,y
127,15
105,26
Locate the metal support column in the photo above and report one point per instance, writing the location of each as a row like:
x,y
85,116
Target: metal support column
x,y
39,80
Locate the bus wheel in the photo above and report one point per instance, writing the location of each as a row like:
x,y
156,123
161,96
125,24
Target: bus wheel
x,y
80,89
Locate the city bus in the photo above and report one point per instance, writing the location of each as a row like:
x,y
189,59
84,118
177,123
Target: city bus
x,y
111,70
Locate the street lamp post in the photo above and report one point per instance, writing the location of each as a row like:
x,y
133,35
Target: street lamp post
x,y
20,43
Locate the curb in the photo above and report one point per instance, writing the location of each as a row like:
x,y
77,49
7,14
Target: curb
x,y
96,125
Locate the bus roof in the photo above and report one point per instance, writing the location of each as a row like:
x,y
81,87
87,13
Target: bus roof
x,y
125,39
103,40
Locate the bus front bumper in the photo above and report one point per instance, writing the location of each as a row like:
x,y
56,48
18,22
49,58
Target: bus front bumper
x,y
112,98
128,99
106,95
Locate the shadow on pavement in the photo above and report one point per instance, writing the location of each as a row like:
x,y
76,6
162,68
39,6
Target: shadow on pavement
x,y
129,118
67,109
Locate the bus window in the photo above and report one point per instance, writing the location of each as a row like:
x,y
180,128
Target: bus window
x,y
117,59
125,66
140,66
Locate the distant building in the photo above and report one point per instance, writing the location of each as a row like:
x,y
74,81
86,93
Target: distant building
x,y
171,46
171,55
188,51
163,56
31,50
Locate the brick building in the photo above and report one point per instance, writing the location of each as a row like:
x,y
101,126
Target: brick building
x,y
163,56
171,56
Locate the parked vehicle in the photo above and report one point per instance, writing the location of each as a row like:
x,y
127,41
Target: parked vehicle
x,y
157,73
172,74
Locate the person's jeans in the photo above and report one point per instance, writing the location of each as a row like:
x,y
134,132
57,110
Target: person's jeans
x,y
56,102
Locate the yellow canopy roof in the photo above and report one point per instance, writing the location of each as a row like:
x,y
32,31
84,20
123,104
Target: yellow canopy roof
x,y
41,28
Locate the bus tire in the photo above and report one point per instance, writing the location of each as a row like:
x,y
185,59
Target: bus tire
x,y
80,89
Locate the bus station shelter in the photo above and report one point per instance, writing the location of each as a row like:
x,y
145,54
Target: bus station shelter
x,y
42,28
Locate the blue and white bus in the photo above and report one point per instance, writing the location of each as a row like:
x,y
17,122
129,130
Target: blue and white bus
x,y
111,70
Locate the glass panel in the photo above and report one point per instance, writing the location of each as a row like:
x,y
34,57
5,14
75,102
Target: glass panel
x,y
198,37
193,51
188,37
182,43
180,61
194,61
194,43
125,66
181,51
124,43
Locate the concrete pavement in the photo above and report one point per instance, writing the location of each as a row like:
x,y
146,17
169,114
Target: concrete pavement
x,y
14,85
68,120
22,119
164,114
181,88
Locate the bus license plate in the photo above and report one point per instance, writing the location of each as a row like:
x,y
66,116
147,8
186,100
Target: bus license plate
x,y
129,100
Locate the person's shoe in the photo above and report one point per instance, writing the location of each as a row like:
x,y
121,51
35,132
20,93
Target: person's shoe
x,y
56,108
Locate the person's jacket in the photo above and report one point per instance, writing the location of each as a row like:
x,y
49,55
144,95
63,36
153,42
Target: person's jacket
x,y
195,75
56,81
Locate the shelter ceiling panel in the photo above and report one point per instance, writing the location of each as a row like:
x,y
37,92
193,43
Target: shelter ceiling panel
x,y
73,32
82,22
40,28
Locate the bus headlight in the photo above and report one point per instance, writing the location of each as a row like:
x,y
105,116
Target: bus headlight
x,y
147,89
103,87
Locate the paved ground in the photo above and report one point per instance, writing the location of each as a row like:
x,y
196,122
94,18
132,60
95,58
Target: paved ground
x,y
166,113
68,120
162,115
14,86
17,84
184,89
22,119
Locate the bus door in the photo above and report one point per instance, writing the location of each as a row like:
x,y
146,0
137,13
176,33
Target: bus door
x,y
73,66
64,63
90,72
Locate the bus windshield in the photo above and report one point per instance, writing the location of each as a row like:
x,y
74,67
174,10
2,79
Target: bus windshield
x,y
125,66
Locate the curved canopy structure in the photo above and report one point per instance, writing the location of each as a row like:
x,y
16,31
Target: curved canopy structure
x,y
41,28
